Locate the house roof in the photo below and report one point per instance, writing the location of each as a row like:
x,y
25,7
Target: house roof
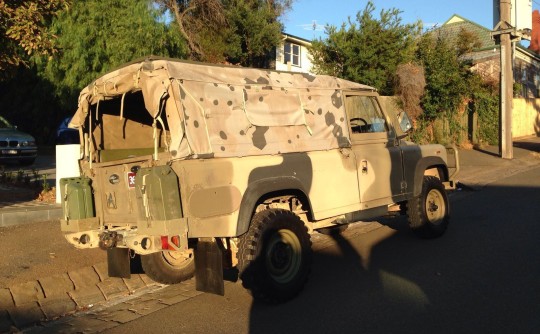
x,y
295,39
452,27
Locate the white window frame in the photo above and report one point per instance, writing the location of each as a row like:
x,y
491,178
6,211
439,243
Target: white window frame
x,y
290,55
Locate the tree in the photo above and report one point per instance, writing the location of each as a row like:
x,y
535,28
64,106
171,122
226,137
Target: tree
x,y
254,30
368,50
194,17
23,31
452,89
447,76
234,31
94,36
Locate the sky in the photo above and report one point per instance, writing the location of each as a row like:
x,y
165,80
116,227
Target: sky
x,y
305,14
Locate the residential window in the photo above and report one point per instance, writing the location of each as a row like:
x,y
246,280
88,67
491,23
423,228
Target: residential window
x,y
292,54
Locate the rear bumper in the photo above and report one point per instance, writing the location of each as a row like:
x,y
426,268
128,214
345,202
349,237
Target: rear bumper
x,y
147,238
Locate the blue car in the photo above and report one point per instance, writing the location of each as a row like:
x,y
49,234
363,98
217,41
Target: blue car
x,y
16,145
66,135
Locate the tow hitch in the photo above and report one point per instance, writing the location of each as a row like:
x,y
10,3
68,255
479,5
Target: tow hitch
x,y
109,240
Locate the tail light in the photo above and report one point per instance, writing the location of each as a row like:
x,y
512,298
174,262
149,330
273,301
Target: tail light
x,y
166,243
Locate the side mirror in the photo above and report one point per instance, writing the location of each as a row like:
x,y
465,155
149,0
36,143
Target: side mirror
x,y
404,121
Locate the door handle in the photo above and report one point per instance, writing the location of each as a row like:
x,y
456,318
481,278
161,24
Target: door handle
x,y
364,166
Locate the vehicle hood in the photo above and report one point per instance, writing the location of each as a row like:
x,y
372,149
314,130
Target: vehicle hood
x,y
14,134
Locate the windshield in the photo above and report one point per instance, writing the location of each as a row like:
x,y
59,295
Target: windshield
x,y
4,124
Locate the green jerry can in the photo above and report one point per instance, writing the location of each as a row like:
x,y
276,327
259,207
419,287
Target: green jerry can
x,y
158,194
77,200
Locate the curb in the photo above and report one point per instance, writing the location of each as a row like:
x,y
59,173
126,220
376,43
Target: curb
x,y
53,297
479,177
29,214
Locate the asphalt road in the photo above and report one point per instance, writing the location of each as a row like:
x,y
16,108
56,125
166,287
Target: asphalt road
x,y
482,276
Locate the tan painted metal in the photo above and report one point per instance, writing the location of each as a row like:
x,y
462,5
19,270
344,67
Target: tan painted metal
x,y
239,139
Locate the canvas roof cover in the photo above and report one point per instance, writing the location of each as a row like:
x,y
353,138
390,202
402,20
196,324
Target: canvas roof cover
x,y
230,111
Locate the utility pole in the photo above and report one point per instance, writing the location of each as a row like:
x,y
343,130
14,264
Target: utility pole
x,y
507,81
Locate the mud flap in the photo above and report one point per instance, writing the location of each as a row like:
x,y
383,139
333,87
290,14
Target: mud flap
x,y
118,262
209,267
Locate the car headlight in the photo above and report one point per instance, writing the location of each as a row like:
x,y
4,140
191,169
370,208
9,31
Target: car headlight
x,y
28,143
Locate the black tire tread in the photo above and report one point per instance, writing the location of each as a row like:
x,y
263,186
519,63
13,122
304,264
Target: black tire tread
x,y
417,217
249,248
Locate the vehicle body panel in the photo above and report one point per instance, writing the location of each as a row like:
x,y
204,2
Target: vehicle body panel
x,y
236,140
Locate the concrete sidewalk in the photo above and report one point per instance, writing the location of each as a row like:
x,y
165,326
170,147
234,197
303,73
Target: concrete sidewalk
x,y
478,168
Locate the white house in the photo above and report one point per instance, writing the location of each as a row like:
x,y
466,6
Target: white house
x,y
293,55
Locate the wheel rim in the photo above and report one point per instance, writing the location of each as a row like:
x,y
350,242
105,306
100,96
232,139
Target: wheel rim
x,y
283,256
435,206
178,259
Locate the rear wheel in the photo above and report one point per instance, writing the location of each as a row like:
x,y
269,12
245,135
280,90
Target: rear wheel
x,y
169,267
429,214
274,256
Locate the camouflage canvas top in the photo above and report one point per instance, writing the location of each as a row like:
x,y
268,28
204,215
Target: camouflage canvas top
x,y
229,111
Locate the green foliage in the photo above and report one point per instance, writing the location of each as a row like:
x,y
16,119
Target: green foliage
x,y
45,186
486,103
242,32
467,41
195,19
450,87
446,76
368,50
28,101
20,177
23,31
254,31
95,36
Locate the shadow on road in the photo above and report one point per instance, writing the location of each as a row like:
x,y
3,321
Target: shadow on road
x,y
480,277
528,144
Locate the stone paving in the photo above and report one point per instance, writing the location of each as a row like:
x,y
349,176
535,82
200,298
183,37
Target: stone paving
x,y
50,298
111,314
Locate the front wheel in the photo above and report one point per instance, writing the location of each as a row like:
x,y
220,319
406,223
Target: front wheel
x,y
169,267
429,214
274,256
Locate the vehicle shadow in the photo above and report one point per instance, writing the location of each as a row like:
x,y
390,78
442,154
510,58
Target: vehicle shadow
x,y
477,278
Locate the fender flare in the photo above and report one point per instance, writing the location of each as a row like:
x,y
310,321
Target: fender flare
x,y
258,189
427,163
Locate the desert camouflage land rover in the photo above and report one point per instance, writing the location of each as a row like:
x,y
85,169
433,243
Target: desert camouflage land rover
x,y
195,167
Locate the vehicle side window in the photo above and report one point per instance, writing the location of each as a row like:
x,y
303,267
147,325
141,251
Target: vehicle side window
x,y
364,114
